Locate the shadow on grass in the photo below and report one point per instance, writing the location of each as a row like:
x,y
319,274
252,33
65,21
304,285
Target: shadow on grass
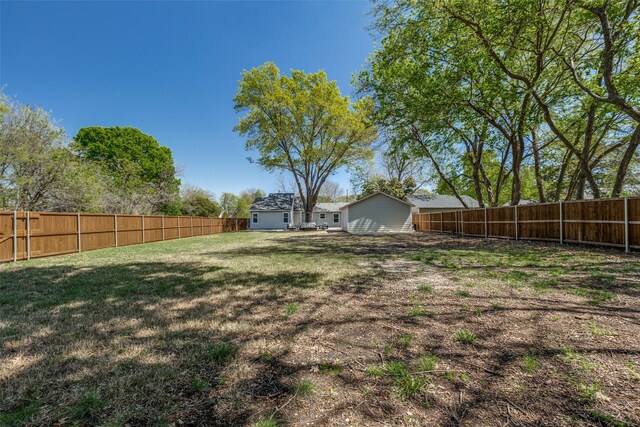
x,y
153,343
138,340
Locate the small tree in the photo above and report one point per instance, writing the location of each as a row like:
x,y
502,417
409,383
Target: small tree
x,y
303,124
198,202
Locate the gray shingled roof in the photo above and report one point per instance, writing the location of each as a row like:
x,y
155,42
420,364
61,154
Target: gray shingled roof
x,y
277,202
329,207
441,201
522,202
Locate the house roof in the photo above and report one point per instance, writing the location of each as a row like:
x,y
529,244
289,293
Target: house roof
x,y
329,207
438,201
277,202
375,194
522,202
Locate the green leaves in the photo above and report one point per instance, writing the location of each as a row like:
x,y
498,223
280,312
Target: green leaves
x,y
303,124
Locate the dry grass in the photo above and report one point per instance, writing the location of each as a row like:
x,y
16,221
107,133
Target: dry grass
x,y
322,329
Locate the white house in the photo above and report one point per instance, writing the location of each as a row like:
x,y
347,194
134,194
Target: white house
x,y
328,213
277,211
377,213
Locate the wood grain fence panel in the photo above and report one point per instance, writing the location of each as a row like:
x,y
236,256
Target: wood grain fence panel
x,y
473,222
152,228
129,230
501,222
634,223
97,231
594,221
170,227
539,221
605,222
6,236
53,234
449,221
39,234
185,227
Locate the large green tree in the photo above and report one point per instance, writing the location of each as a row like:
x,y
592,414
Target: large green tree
x,y
302,123
548,89
143,171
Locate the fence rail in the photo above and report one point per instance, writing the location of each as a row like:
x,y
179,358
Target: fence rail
x,y
26,235
604,222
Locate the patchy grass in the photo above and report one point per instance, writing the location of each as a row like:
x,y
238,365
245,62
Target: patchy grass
x,y
419,311
291,308
271,329
330,368
466,336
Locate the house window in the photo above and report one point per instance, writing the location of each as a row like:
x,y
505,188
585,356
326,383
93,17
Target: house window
x,y
336,217
254,218
285,217
323,216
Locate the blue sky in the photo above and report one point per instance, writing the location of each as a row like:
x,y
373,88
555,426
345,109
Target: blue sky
x,y
171,69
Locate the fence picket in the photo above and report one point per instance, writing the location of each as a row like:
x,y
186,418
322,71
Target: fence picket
x,y
605,222
62,233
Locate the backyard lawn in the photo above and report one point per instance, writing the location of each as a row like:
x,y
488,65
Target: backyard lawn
x,y
266,329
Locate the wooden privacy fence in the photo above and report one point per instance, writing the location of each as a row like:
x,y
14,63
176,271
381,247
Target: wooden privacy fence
x,y
605,222
26,235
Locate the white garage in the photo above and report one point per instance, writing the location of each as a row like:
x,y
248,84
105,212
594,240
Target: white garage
x,y
377,213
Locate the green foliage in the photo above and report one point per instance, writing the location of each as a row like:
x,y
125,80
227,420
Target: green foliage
x,y
417,311
199,385
374,371
222,351
330,368
507,105
20,416
291,308
33,157
198,202
142,171
427,362
466,336
86,408
303,124
393,187
529,363
303,387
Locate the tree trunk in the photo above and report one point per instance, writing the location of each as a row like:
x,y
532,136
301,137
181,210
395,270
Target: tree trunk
x,y
537,167
626,160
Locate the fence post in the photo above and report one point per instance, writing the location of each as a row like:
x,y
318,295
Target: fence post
x,y
79,238
142,219
516,220
561,224
163,228
626,224
430,229
179,224
15,236
28,235
210,225
115,227
462,222
191,225
486,231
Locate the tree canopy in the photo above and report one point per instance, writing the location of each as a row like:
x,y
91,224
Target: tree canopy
x,y
303,124
143,171
498,93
